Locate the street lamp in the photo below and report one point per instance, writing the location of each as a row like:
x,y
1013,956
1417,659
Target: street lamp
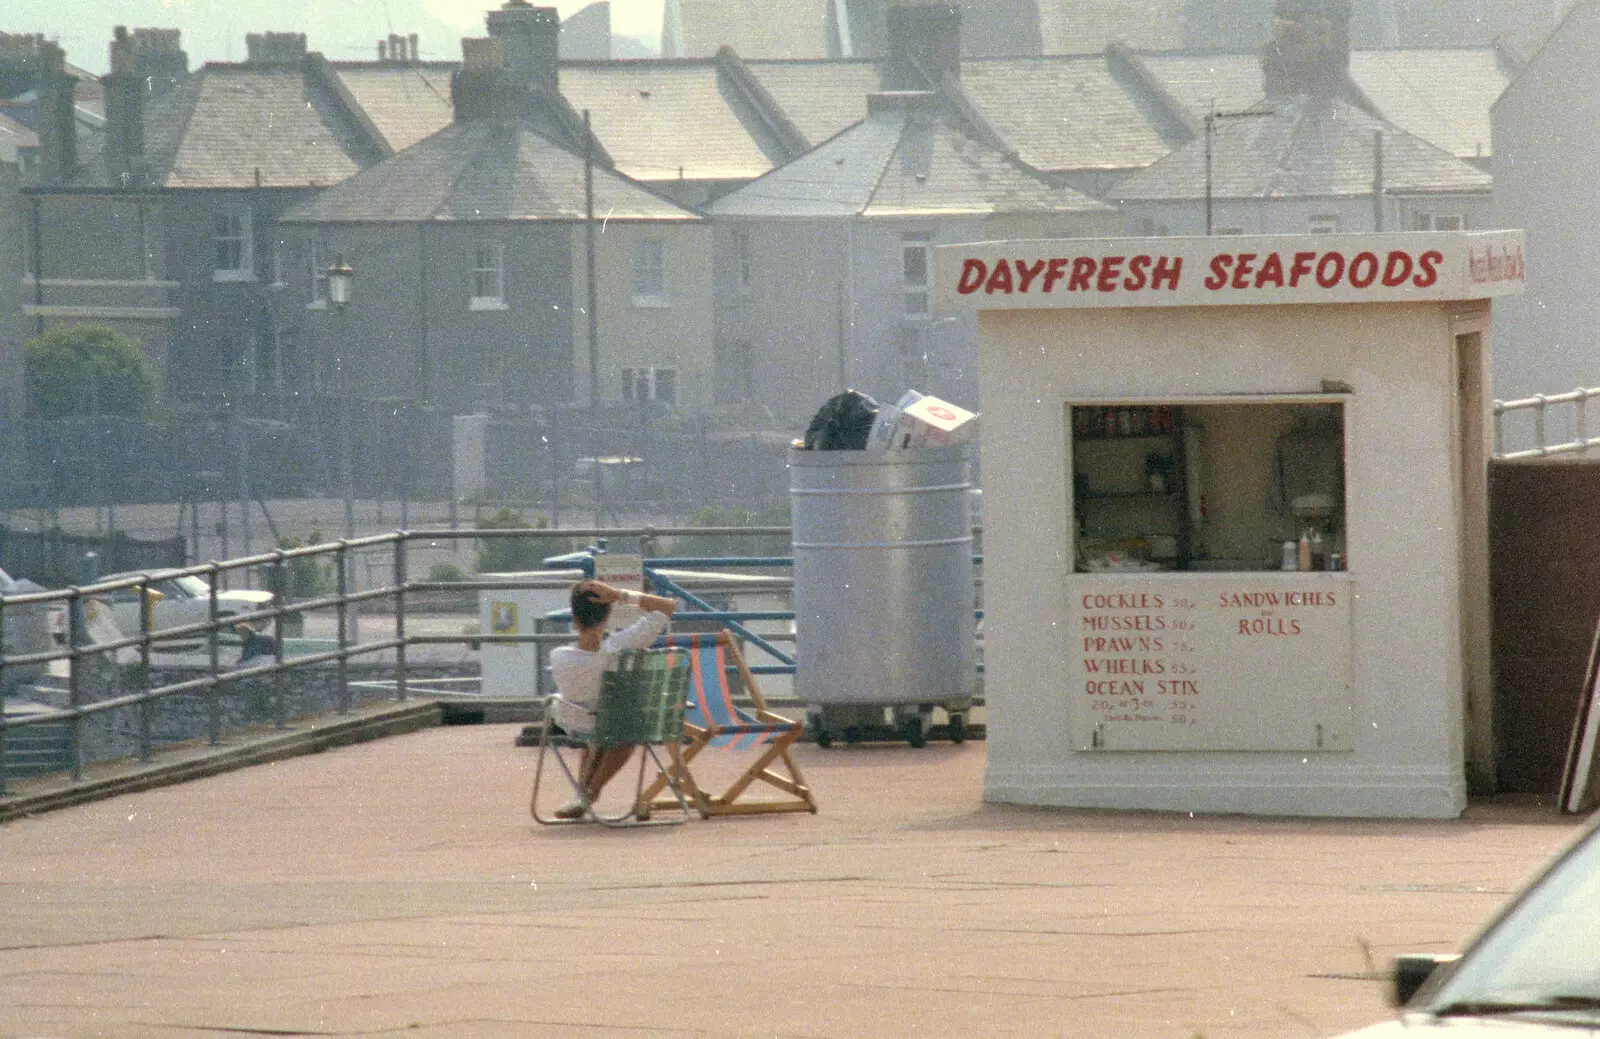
x,y
341,280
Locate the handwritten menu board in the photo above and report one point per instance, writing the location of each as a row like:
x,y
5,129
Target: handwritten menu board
x,y
1239,661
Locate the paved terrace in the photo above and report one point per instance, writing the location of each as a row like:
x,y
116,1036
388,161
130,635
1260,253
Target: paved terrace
x,y
398,887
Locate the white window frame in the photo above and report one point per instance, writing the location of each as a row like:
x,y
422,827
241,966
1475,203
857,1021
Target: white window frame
x,y
317,268
488,275
916,287
1323,223
233,244
1440,222
647,272
650,385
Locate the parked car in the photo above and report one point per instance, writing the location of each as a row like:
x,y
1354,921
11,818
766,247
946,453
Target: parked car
x,y
177,600
1534,970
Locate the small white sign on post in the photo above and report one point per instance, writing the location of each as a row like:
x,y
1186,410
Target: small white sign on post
x,y
621,571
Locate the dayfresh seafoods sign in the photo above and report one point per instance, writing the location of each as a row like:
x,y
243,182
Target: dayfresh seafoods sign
x,y
1224,270
1227,662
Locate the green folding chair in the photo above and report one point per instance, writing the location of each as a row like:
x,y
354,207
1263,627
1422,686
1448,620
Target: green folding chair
x,y
642,699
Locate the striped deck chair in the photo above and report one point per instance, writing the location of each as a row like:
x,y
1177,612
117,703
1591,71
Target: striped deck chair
x,y
714,720
642,699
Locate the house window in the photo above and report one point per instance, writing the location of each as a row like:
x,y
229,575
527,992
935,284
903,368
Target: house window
x,y
649,273
642,385
1440,222
1228,231
232,240
489,276
916,262
1323,223
319,275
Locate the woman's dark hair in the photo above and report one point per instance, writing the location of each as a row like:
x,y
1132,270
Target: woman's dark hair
x,y
587,610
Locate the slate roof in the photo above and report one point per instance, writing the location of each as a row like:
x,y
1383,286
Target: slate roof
x,y
17,134
1442,96
485,170
822,97
1306,148
227,122
405,102
908,157
658,118
1064,114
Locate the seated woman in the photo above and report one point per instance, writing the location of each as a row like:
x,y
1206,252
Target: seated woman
x,y
579,669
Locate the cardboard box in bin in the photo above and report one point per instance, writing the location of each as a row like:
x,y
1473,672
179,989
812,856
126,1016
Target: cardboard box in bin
x,y
918,421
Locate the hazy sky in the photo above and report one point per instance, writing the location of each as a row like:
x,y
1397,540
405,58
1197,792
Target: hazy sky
x,y
628,17
214,30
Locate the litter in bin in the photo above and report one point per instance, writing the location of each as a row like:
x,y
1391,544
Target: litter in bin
x,y
919,421
842,424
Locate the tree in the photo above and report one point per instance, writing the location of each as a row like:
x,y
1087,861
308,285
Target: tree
x,y
88,370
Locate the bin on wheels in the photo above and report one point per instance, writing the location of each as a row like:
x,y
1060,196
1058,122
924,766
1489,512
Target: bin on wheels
x,y
883,590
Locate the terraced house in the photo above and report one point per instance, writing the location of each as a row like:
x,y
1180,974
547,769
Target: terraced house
x,y
767,221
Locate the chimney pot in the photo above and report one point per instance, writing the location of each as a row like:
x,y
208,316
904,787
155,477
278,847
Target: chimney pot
x,y
1309,49
276,48
532,39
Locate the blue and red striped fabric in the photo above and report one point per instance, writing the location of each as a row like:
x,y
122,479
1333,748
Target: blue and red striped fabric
x,y
711,698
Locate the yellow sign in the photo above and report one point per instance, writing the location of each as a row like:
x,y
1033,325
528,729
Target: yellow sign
x,y
503,618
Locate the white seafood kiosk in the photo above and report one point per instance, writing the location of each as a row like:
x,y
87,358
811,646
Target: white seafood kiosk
x,y
1235,552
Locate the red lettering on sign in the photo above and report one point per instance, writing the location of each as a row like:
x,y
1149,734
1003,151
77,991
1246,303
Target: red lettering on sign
x,y
1271,272
1397,270
1056,270
1363,270
1326,278
999,279
1168,269
1028,273
1300,268
1137,276
1241,273
973,274
1219,271
1082,272
1110,271
1428,268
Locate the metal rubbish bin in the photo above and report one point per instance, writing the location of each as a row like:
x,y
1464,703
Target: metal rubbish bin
x,y
883,589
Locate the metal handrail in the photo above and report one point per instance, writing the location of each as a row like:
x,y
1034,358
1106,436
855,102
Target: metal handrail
x,y
1573,404
78,649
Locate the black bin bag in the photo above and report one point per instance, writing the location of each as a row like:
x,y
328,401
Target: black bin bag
x,y
843,423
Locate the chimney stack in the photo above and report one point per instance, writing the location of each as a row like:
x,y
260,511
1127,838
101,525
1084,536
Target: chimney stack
x,y
531,37
482,88
924,43
57,122
276,48
1309,50
124,143
159,59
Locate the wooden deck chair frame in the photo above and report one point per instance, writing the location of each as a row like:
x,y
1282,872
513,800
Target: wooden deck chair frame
x,y
714,720
642,699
